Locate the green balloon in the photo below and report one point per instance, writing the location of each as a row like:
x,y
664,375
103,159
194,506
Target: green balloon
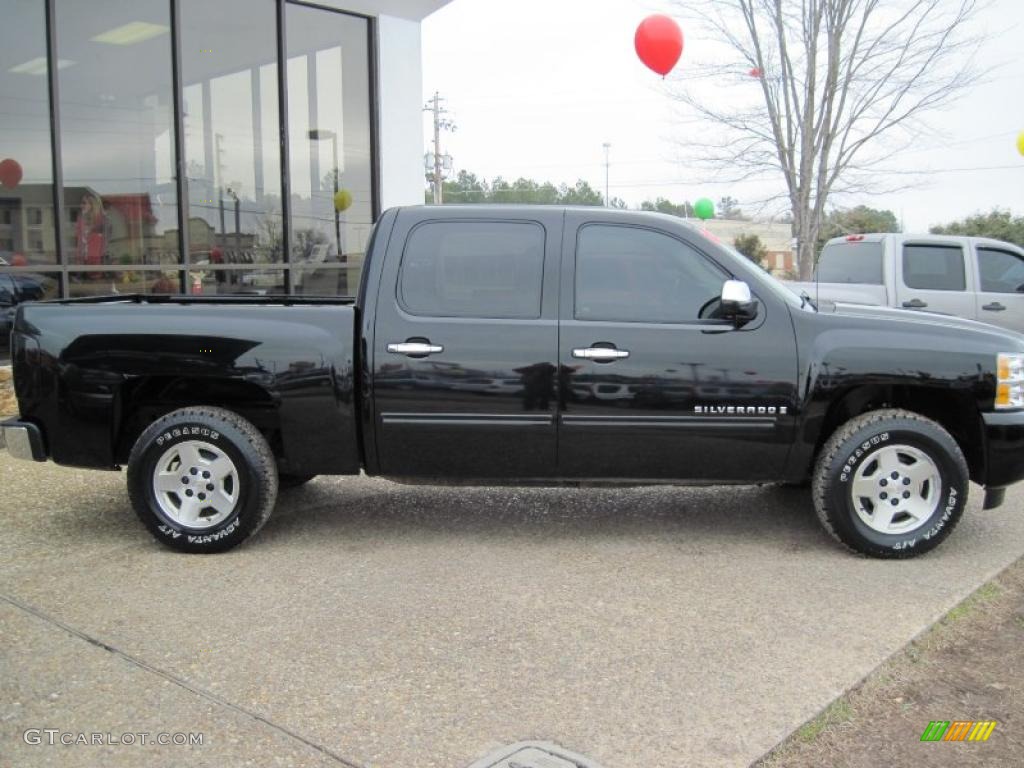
x,y
704,209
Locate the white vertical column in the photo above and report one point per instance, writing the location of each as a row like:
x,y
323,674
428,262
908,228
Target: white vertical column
x,y
400,90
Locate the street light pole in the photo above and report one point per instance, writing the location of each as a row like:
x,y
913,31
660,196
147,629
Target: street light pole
x,y
607,164
334,199
319,134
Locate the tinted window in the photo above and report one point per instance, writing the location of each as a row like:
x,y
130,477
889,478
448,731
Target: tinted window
x,y
857,262
1001,271
637,275
473,269
934,267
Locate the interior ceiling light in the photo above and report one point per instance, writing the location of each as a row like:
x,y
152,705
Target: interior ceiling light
x,y
131,33
38,66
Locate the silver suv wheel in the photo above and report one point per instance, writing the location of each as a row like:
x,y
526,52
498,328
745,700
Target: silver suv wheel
x,y
195,484
896,490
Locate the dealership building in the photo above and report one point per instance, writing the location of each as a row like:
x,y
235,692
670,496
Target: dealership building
x,y
204,146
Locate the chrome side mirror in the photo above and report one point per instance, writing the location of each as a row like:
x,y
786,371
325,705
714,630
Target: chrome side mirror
x,y
736,302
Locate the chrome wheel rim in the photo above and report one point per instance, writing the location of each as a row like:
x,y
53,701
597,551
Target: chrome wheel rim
x,y
196,484
896,489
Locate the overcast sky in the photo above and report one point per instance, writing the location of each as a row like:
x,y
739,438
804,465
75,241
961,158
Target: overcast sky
x,y
537,86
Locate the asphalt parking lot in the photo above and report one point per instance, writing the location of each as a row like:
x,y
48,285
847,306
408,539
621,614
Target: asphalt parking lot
x,y
373,624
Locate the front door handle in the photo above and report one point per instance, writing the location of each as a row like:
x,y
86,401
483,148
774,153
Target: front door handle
x,y
995,306
915,304
415,348
600,354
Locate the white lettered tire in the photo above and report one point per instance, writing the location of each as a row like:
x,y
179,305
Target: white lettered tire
x,y
202,479
890,484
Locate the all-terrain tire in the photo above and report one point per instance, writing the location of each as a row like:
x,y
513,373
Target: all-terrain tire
x,y
209,435
849,453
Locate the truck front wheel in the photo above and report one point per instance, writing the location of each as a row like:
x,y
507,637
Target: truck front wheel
x,y
890,484
202,479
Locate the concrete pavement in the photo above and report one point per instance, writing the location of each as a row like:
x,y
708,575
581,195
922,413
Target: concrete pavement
x,y
372,624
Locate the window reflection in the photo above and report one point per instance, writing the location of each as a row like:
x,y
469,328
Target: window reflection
x,y
117,123
122,281
26,161
231,123
329,140
326,281
117,146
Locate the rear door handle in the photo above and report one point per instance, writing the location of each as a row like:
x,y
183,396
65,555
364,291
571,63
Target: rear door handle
x,y
995,306
414,348
915,304
600,354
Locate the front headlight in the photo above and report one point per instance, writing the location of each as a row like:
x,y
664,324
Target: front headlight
x,y
1010,381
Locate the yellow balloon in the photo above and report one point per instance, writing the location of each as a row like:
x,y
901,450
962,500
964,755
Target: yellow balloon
x,y
342,200
1020,142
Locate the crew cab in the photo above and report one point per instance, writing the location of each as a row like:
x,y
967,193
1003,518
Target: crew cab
x,y
534,345
973,277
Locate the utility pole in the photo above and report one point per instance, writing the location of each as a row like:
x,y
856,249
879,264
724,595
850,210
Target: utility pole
x,y
218,183
439,161
607,166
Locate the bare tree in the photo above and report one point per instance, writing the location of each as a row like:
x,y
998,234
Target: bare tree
x,y
834,88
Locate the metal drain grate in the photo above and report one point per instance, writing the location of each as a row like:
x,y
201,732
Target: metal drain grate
x,y
534,754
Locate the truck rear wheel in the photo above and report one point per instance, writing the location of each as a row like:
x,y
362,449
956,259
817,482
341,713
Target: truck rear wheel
x,y
890,484
202,479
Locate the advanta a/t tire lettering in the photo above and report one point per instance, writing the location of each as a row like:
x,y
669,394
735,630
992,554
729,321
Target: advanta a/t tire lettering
x,y
202,479
891,484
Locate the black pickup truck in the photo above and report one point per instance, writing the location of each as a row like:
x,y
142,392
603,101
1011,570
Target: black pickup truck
x,y
526,345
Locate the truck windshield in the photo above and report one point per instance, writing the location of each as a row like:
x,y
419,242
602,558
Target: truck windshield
x,y
857,262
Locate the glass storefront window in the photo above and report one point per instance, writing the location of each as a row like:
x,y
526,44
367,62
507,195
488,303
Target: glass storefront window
x,y
253,282
118,141
232,135
117,137
329,140
113,282
27,232
332,280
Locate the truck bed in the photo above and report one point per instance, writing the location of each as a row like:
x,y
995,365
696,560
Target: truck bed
x,y
102,368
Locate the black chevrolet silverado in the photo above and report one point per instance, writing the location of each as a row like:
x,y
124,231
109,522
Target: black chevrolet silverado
x,y
526,345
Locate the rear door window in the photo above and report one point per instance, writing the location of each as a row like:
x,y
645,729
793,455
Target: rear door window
x,y
486,269
858,262
1001,271
928,267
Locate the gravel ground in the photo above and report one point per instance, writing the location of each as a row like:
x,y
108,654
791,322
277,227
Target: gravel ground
x,y
374,624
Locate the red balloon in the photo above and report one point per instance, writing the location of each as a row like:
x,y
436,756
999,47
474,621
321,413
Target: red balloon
x,y
755,72
10,172
19,260
659,43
